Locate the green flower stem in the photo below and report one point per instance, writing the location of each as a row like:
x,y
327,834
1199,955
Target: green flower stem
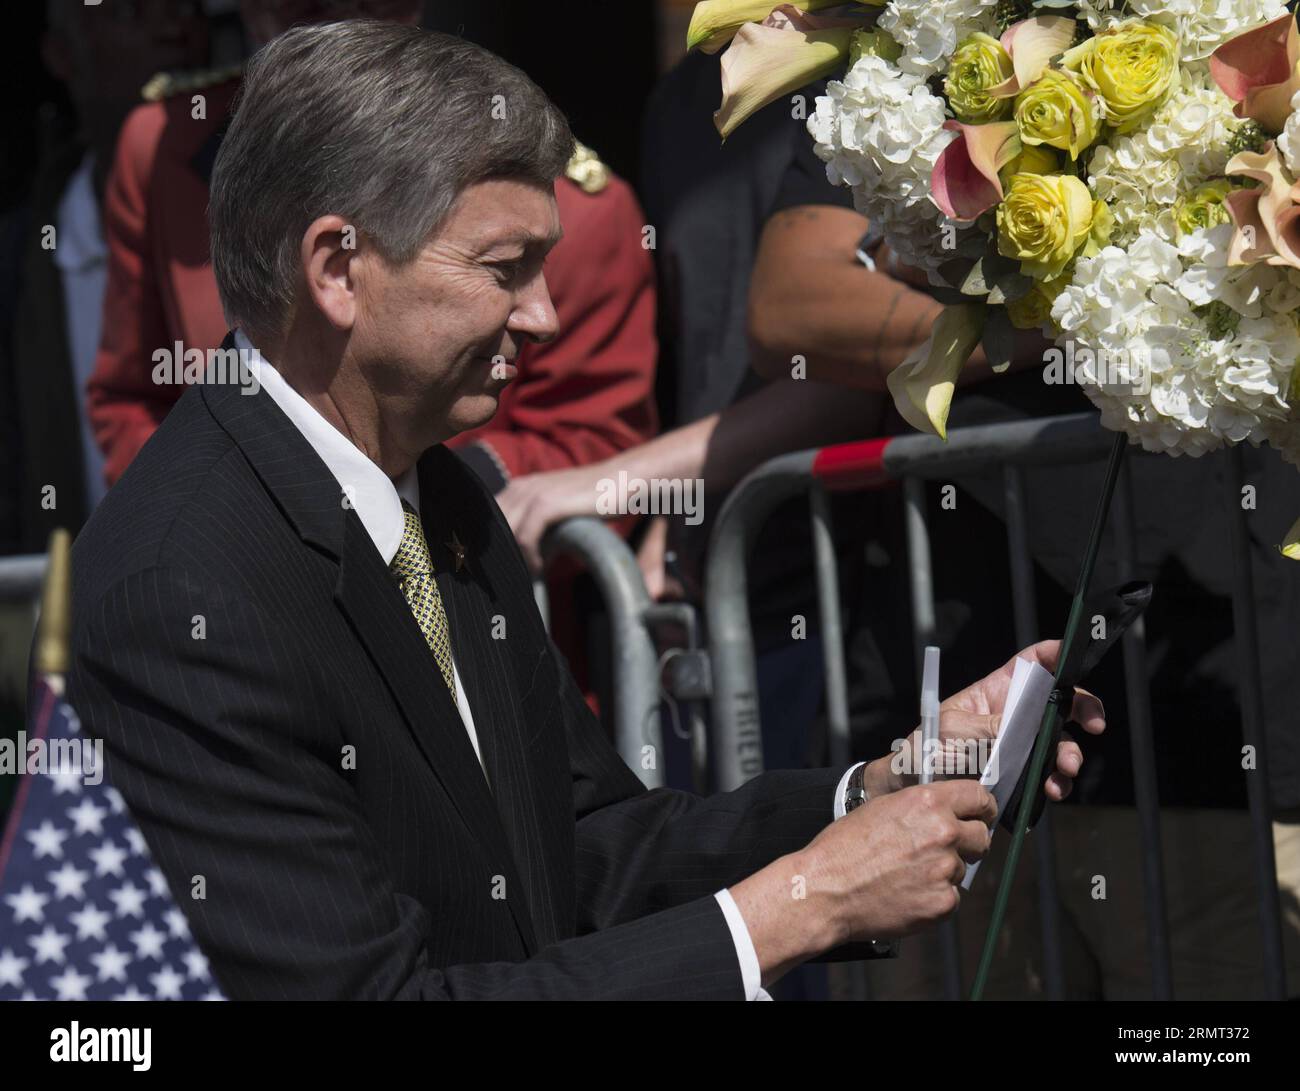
x,y
1038,762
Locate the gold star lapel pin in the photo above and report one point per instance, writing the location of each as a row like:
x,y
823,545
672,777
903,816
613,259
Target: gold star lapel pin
x,y
457,550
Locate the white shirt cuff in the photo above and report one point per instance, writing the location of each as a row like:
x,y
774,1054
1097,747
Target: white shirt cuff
x,y
843,786
751,975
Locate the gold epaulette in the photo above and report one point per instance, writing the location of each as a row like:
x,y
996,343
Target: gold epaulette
x,y
166,84
586,169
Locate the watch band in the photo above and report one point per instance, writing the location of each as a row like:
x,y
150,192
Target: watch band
x,y
855,793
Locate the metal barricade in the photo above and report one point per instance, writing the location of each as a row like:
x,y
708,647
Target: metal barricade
x,y
637,667
20,578
736,738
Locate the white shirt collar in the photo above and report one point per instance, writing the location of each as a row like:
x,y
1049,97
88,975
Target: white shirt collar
x,y
376,499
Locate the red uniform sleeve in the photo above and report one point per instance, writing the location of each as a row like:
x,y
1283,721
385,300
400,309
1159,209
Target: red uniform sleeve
x,y
589,393
125,405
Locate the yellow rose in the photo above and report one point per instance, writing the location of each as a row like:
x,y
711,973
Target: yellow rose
x,y
1057,111
1030,311
1203,207
979,63
1130,67
1043,221
1033,159
1099,233
1033,310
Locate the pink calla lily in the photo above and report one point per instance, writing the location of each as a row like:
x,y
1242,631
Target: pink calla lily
x,y
1268,218
1258,71
965,179
1031,44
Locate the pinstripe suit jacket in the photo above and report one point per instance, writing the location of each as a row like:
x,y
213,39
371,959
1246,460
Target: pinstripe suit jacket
x,y
273,718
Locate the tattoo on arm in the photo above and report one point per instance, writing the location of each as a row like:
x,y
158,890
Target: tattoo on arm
x,y
892,306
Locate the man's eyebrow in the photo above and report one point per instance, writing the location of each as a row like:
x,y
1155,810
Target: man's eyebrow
x,y
525,240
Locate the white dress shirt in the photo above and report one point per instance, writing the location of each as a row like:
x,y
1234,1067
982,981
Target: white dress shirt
x,y
377,501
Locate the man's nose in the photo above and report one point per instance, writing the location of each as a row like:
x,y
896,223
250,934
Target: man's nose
x,y
534,314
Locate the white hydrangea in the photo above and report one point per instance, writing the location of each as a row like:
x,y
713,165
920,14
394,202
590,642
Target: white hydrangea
x,y
1201,25
1288,141
930,30
1189,354
880,131
1141,175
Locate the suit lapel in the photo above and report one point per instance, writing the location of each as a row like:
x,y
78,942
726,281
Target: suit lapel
x,y
475,616
368,596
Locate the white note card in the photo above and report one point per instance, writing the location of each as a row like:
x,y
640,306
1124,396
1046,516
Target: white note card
x,y
1022,716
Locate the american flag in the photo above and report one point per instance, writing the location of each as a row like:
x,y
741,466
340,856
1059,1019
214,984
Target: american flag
x,y
84,912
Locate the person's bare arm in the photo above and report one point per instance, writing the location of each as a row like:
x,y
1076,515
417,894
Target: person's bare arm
x,y
718,449
811,298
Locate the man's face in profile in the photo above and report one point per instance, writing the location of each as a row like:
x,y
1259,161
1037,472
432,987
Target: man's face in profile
x,y
444,330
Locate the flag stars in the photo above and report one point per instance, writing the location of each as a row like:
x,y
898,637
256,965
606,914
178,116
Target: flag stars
x,y
11,968
149,941
167,984
91,922
68,881
49,944
87,818
70,985
196,964
132,994
27,904
65,781
177,925
157,884
47,840
108,859
135,842
129,900
110,963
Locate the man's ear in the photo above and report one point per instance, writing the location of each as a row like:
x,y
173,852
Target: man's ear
x,y
329,246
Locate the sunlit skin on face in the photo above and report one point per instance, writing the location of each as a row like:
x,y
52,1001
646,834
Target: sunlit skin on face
x,y
402,357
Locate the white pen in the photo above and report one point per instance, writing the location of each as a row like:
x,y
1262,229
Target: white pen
x,y
929,714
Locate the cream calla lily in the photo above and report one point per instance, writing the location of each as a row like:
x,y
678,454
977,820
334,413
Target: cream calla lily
x,y
715,22
1031,44
922,385
1290,546
763,63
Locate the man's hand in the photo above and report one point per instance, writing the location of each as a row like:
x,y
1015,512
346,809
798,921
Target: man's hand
x,y
975,715
888,869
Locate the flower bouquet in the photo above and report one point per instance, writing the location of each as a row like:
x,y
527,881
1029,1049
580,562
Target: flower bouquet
x,y
1120,174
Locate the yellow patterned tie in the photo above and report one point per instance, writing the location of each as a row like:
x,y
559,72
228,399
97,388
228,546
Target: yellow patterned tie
x,y
414,568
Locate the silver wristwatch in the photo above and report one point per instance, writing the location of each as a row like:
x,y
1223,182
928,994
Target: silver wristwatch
x,y
854,793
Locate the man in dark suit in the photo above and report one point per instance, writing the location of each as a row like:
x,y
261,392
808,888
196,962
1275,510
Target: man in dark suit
x,y
307,638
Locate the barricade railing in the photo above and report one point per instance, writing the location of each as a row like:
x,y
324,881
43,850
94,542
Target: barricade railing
x,y
736,737
20,578
639,671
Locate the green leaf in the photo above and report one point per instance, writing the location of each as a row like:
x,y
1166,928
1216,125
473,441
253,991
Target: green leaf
x,y
999,338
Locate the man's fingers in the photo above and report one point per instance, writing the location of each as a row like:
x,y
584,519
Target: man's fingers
x,y
957,723
1088,712
1058,787
972,842
969,799
1069,758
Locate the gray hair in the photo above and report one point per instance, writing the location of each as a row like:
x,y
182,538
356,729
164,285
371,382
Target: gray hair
x,y
379,123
